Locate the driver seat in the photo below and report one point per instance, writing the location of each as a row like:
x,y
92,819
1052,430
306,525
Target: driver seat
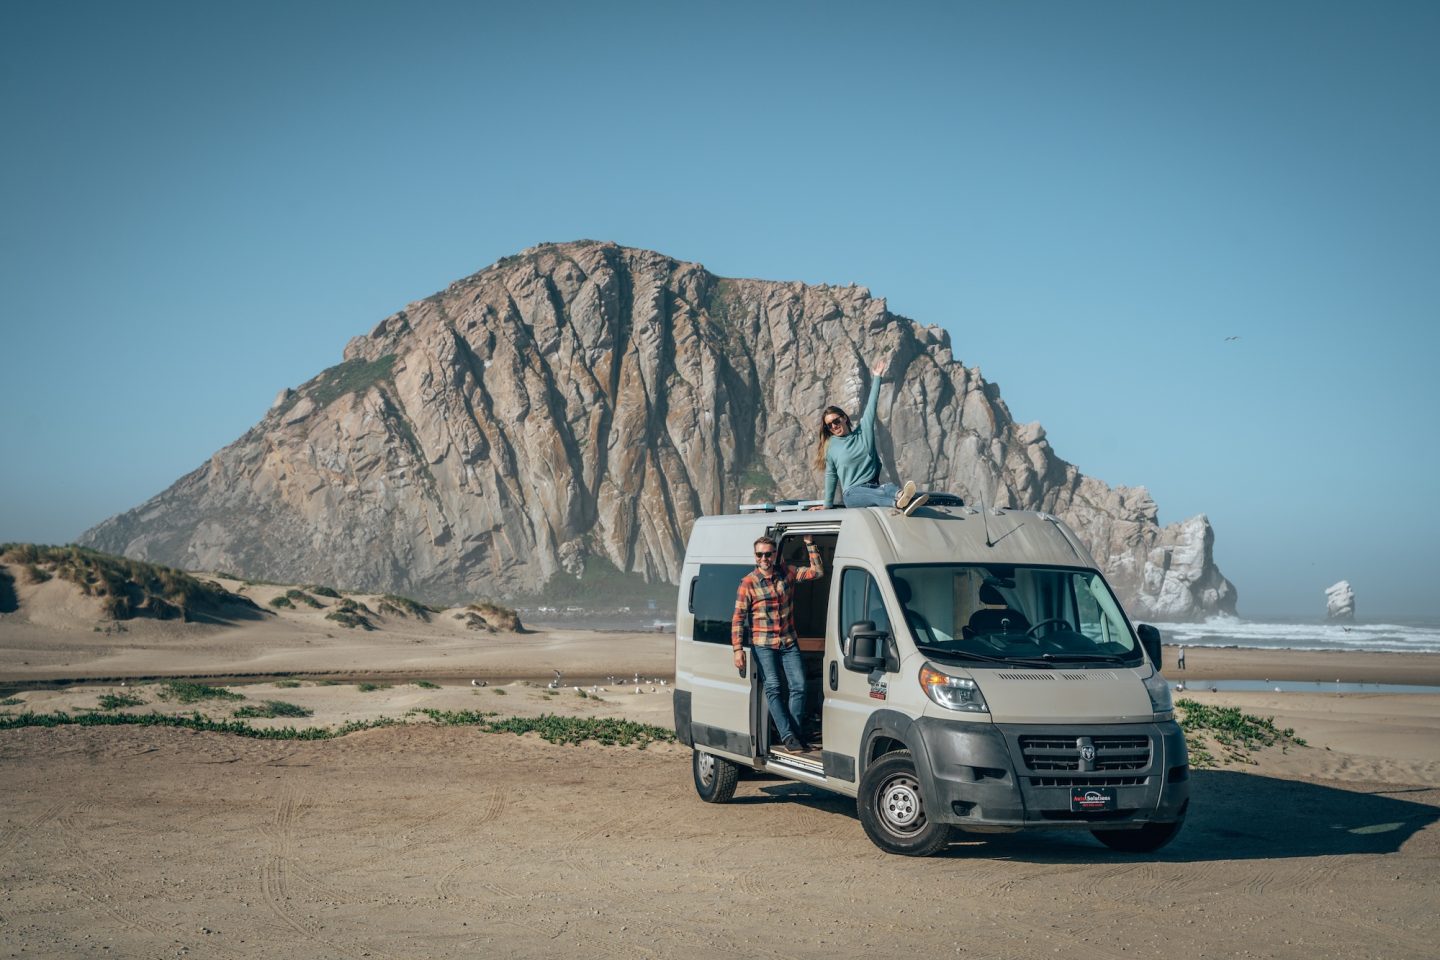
x,y
991,620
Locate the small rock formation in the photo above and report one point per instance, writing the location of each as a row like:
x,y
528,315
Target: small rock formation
x,y
575,407
1340,601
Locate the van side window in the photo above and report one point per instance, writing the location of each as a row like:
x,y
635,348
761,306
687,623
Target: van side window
x,y
713,600
860,600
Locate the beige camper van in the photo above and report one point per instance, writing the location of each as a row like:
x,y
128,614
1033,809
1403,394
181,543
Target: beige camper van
x,y
966,670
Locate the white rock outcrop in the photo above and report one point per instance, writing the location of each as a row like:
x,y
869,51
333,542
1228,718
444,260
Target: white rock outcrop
x,y
1340,601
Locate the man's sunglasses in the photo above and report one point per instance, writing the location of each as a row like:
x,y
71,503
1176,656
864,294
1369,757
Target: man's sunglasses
x,y
762,556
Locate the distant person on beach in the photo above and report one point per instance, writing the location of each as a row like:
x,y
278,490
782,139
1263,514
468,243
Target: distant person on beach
x,y
1180,658
764,607
851,463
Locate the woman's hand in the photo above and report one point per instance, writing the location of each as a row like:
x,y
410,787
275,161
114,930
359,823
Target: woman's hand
x,y
879,368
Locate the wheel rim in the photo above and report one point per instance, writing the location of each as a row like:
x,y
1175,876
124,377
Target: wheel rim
x,y
898,804
705,768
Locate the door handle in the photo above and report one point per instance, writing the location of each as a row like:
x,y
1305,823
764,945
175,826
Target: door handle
x,y
834,675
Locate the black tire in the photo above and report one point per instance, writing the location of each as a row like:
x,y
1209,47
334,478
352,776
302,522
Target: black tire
x,y
1147,839
715,777
892,810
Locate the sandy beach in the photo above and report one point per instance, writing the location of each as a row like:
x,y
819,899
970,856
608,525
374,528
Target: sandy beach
x,y
428,840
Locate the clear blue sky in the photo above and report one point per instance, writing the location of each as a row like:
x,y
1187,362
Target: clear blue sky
x,y
203,201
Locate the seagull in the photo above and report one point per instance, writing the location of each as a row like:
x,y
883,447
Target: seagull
x,y
1228,339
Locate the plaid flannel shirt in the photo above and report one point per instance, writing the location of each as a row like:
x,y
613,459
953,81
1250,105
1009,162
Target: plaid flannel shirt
x,y
767,604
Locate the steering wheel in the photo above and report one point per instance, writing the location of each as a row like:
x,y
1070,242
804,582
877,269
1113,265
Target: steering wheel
x,y
1045,623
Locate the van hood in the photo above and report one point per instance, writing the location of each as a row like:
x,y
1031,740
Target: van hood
x,y
1065,695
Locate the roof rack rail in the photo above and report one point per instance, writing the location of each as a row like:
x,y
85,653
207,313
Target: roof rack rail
x,y
780,506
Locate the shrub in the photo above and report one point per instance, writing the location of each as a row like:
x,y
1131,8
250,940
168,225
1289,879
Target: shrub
x,y
427,685
35,573
287,683
368,687
283,602
324,591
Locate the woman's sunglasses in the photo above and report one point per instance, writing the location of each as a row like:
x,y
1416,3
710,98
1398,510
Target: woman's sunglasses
x,y
834,423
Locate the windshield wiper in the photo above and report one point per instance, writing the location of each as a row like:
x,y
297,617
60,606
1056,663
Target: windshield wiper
x,y
943,653
1082,658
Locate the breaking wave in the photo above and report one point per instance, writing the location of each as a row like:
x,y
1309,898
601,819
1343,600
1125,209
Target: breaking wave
x,y
1409,636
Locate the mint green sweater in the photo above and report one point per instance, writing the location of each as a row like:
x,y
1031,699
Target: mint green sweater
x,y
852,459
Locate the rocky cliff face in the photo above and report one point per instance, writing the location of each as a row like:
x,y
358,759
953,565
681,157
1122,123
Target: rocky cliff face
x,y
582,404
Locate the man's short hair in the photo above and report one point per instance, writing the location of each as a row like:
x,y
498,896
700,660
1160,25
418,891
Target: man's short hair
x,y
769,540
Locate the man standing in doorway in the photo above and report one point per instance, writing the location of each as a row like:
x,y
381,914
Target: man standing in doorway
x,y
765,605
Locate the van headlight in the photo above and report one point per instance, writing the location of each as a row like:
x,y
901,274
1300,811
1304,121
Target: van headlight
x,y
952,693
1160,700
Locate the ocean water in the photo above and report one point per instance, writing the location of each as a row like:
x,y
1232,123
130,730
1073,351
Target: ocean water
x,y
1392,635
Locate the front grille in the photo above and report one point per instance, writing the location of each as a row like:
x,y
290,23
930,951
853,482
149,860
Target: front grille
x,y
1088,781
1129,752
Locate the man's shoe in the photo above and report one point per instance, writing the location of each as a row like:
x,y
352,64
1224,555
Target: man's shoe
x,y
916,504
793,746
907,492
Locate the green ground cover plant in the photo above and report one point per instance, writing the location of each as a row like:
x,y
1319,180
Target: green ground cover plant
x,y
320,591
368,687
427,685
114,701
282,602
563,730
1236,734
287,684
193,721
272,708
187,691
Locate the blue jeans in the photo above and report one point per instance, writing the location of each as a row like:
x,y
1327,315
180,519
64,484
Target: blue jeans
x,y
871,495
772,662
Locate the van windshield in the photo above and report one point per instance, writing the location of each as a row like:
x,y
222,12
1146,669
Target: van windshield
x,y
1013,613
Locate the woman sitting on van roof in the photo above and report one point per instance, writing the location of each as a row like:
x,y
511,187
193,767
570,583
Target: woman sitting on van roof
x,y
847,455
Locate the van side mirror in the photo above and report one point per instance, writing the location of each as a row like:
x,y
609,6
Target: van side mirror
x,y
1150,641
865,646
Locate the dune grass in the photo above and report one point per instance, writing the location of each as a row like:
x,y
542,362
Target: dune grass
x,y
128,588
114,701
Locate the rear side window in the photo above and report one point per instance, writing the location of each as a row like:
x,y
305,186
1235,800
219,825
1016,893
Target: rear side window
x,y
712,599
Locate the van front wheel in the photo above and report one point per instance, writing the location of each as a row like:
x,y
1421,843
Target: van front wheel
x,y
715,777
893,812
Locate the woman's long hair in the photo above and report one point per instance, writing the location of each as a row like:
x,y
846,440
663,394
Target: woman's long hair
x,y
825,434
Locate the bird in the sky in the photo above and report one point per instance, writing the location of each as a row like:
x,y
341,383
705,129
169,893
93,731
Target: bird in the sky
x,y
1228,339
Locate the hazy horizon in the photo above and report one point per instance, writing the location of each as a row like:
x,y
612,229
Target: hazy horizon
x,y
1198,244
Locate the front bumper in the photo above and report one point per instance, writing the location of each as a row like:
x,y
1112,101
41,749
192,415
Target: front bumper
x,y
1001,777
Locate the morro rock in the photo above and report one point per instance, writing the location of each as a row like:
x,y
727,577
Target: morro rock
x,y
581,404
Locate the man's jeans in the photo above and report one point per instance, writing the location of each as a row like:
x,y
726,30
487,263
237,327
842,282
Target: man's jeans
x,y
771,662
871,495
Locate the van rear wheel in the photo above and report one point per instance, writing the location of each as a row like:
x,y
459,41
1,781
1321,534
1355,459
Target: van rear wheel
x,y
715,777
893,812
